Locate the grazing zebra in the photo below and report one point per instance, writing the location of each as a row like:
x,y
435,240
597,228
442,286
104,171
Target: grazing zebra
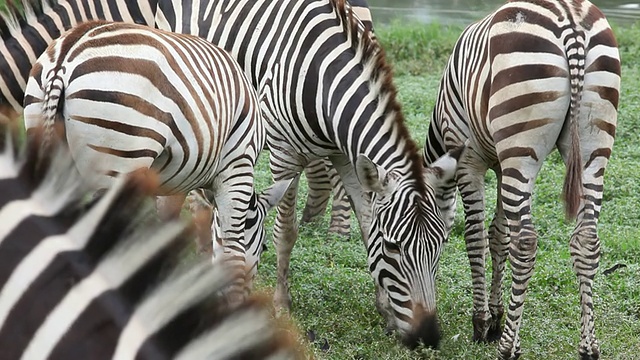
x,y
530,77
104,281
327,91
129,96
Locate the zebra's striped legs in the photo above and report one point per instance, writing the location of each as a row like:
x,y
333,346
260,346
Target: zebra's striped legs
x,y
322,178
499,246
516,186
285,234
360,200
585,253
231,199
471,186
522,256
340,207
319,191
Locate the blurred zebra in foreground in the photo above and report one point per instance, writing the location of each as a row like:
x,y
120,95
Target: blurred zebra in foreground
x,y
126,97
105,280
530,77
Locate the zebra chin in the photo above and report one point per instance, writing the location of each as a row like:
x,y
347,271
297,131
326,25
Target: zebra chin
x,y
426,331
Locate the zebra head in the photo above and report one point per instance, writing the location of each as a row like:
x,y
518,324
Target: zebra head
x,y
255,234
406,236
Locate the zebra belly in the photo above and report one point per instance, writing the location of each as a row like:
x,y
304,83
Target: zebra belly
x,y
107,140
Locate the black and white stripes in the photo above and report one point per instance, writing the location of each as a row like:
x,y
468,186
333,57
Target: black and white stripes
x,y
129,97
532,76
102,281
327,91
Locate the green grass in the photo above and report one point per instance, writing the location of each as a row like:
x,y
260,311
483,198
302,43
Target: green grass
x,y
333,291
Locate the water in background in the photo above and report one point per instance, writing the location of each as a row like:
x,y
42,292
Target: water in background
x,y
464,12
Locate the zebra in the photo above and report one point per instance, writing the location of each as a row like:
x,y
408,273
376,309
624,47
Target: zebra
x,y
530,77
104,280
27,32
327,91
129,97
405,287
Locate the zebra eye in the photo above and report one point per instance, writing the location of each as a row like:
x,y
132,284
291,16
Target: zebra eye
x,y
391,247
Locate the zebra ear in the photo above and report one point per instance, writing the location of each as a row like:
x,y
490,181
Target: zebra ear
x,y
444,168
371,176
272,195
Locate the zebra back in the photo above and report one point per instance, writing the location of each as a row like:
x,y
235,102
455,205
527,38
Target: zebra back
x,y
104,279
27,27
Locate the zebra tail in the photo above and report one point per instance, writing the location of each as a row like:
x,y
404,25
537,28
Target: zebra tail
x,y
572,189
53,124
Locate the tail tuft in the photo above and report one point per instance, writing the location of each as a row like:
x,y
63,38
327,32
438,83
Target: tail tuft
x,y
572,189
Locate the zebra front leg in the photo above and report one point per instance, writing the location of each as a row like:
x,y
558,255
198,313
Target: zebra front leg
x,y
285,234
471,185
499,247
341,206
360,200
319,191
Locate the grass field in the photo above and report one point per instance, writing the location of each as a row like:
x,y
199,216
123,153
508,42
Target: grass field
x,y
333,291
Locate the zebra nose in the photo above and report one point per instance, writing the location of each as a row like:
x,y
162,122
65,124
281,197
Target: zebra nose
x,y
426,331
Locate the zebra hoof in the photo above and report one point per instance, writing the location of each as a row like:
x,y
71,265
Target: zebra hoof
x,y
481,325
494,333
495,328
509,356
594,354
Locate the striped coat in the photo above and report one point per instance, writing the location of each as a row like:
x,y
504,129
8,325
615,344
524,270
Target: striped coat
x,y
530,77
128,97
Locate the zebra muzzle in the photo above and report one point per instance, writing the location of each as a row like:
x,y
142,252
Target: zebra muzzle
x,y
426,330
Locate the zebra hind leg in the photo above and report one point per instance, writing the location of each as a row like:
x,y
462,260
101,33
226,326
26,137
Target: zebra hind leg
x,y
499,246
585,251
522,256
285,234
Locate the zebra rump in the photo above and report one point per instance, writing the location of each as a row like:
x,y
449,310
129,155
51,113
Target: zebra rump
x,y
105,280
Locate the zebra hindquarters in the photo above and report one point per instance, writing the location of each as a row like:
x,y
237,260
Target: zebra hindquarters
x,y
595,130
526,116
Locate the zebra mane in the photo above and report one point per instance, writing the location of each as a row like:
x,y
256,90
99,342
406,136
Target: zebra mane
x,y
78,271
14,14
373,56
